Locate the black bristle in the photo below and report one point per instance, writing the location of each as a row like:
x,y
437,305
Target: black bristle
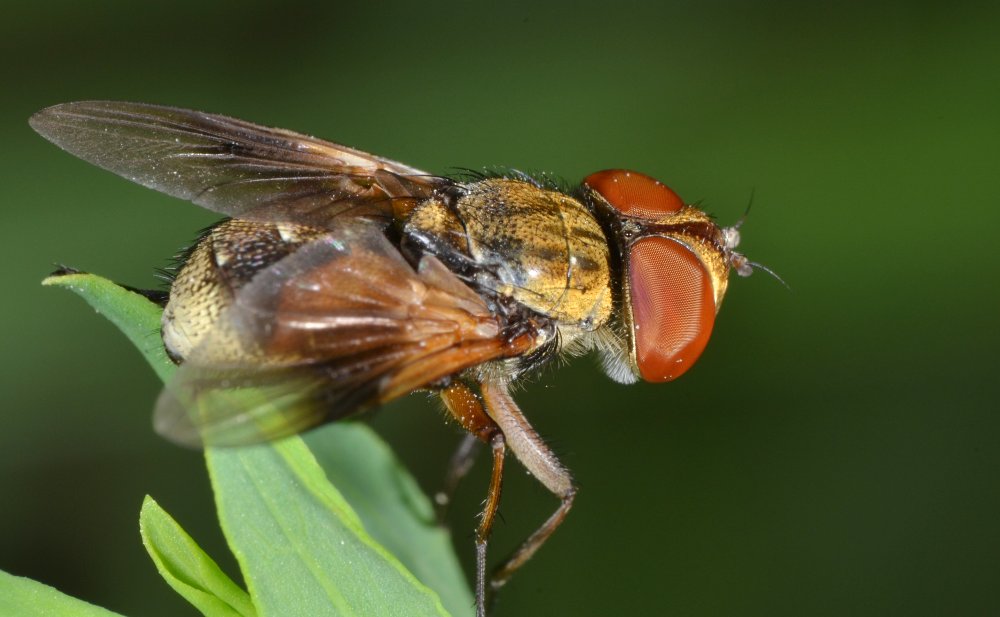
x,y
540,179
168,273
156,296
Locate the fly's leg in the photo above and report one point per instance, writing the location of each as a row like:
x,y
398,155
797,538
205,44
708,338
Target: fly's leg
x,y
486,522
459,465
467,407
529,448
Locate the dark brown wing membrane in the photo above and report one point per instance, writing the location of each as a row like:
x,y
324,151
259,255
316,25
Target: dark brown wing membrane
x,y
343,324
230,166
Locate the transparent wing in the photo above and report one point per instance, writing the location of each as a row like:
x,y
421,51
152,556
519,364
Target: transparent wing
x,y
343,324
230,166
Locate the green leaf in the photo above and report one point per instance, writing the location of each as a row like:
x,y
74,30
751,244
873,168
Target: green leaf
x,y
23,597
186,568
303,550
392,507
134,315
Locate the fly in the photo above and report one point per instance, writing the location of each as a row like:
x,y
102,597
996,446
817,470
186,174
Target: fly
x,y
342,280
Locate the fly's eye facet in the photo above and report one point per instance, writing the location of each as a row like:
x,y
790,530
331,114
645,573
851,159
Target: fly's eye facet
x,y
673,307
635,194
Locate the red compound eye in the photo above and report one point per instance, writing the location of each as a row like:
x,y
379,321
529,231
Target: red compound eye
x,y
673,307
635,194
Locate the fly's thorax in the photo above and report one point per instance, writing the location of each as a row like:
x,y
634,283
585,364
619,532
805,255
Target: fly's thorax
x,y
538,247
224,258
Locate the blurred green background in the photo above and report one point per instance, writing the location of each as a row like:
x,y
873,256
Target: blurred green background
x,y
835,451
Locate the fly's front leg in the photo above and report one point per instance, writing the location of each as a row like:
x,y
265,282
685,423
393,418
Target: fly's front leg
x,y
467,407
529,448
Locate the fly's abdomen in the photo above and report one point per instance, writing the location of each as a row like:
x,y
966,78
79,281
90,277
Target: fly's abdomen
x,y
224,259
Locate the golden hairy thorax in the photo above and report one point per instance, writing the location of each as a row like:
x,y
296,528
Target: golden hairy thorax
x,y
541,248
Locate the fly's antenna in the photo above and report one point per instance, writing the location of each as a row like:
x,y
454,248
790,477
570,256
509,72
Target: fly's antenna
x,y
742,265
757,266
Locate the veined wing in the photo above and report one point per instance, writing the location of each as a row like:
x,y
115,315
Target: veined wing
x,y
230,166
343,324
